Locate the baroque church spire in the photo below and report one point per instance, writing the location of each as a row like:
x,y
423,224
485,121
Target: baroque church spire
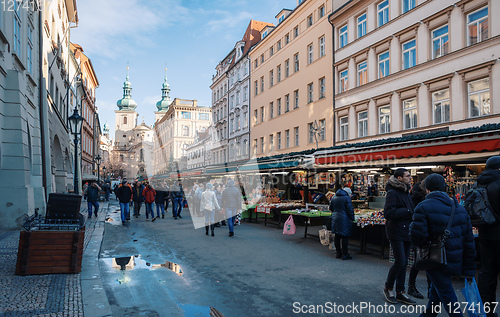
x,y
127,103
165,101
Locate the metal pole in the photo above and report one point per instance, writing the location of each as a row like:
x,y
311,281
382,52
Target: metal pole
x,y
98,173
76,181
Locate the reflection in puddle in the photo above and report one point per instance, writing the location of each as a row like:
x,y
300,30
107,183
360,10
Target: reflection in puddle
x,y
131,262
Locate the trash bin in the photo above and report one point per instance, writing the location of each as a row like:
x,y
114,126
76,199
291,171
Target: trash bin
x,y
54,243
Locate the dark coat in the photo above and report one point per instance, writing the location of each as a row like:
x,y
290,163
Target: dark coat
x,y
342,213
124,194
160,196
93,194
418,193
398,210
231,198
430,220
491,180
137,193
176,192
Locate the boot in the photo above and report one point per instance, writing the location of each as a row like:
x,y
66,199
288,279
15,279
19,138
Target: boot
x,y
413,291
206,229
212,229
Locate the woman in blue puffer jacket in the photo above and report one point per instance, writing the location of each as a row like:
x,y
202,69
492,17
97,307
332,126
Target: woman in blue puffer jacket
x,y
342,218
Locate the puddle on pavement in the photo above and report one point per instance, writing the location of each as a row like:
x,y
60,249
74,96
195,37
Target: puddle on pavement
x,y
195,310
136,262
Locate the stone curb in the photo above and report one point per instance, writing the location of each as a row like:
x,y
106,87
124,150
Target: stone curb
x,y
95,300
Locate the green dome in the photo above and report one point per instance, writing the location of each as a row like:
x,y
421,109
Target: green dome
x,y
165,101
127,103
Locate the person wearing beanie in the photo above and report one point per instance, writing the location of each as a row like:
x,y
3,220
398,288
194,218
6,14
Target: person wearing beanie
x,y
489,235
124,194
430,220
398,212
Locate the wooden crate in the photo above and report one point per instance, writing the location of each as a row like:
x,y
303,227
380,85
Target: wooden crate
x,y
50,252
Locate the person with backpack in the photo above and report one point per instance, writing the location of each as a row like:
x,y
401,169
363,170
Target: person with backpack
x,y
489,236
439,215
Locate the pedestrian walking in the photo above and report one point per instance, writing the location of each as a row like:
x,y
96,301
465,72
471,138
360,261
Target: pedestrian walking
x,y
209,204
84,190
149,198
342,218
489,236
398,212
124,194
176,195
167,197
430,220
107,190
138,198
231,204
219,215
160,202
197,199
93,198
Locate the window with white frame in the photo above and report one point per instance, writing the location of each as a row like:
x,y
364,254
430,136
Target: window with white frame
x,y
310,93
322,50
271,51
408,5
384,119
343,36
245,119
440,42
256,116
296,62
262,145
278,105
245,68
344,80
382,13
237,101
296,99
281,18
477,26
410,113
287,38
278,45
261,114
287,102
287,68
295,32
255,146
17,29
309,20
362,73
29,51
278,71
479,97
287,139
321,11
231,103
271,78
203,116
361,25
383,64
362,124
344,128
322,130
271,142
231,125
262,84
321,88
278,140
262,59
409,54
271,110
256,88
296,133
441,106
310,54
185,130
186,115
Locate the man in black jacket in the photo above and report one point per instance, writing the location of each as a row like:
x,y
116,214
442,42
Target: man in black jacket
x,y
430,221
398,212
231,204
489,236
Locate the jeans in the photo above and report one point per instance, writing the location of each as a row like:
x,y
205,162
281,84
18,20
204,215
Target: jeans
x,y
413,271
341,245
176,206
441,292
209,215
231,216
488,275
124,208
107,196
397,272
149,209
96,208
160,207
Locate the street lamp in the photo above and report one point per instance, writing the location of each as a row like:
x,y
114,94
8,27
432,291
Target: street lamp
x,y
75,122
97,160
104,172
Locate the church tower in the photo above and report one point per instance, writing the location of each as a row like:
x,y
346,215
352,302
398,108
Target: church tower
x,y
165,101
126,116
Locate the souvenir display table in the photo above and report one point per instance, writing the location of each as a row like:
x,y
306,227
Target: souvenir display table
x,y
308,214
370,221
276,209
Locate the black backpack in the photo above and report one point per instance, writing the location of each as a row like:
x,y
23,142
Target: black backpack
x,y
479,208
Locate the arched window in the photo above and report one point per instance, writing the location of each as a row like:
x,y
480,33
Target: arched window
x,y
185,130
124,120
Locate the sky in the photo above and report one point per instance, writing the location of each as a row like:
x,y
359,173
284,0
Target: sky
x,y
188,37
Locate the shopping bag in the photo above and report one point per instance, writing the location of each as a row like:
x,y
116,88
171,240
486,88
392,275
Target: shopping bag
x,y
475,306
289,227
324,236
